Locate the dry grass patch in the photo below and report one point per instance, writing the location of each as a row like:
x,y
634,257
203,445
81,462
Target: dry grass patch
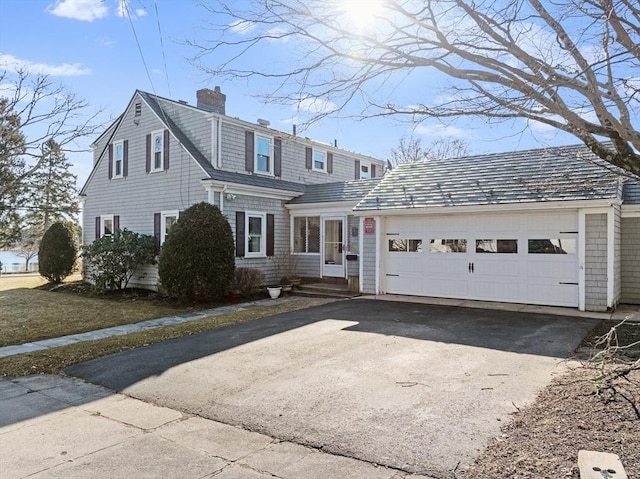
x,y
53,361
31,314
15,281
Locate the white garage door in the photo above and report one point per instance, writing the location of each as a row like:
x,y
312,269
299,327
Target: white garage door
x,y
521,258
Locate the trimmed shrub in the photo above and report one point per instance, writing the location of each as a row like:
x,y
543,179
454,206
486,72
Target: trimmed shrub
x,y
110,262
58,252
197,259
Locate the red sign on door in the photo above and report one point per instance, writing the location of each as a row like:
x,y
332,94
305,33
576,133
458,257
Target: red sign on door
x,y
369,226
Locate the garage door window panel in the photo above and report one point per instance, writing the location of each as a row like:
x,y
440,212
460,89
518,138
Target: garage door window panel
x,y
508,246
552,246
448,246
405,245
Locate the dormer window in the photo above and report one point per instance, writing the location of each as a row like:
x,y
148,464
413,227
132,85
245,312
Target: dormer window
x,y
365,170
319,161
264,157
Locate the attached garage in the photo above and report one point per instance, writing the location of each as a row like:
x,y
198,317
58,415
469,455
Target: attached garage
x,y
525,258
536,227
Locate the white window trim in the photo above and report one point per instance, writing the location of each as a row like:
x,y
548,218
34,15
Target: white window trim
x,y
263,234
255,155
368,165
113,166
163,223
153,151
104,218
313,161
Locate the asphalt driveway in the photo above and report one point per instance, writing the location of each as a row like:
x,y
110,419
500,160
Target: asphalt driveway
x,y
421,388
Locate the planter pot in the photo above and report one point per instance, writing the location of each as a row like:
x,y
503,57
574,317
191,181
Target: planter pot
x,y
234,298
296,282
274,292
286,288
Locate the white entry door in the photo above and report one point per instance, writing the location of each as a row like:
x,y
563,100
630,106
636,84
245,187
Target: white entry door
x,y
333,249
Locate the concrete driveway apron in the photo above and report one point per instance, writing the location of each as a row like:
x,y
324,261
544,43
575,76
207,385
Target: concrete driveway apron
x,y
421,388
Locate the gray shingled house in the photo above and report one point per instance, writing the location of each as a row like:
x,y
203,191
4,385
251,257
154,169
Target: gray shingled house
x,y
551,226
162,156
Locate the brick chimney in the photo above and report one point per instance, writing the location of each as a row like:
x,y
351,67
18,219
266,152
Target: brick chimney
x,y
211,100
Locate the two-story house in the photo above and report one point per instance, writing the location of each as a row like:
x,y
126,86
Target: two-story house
x,y
162,156
551,226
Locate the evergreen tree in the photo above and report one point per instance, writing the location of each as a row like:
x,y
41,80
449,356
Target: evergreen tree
x,y
12,166
52,194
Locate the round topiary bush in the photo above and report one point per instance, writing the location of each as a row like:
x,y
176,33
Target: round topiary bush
x,y
197,260
58,252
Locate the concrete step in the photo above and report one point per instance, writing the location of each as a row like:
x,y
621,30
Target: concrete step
x,y
327,290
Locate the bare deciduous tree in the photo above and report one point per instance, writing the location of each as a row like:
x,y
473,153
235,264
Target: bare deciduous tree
x,y
412,149
569,64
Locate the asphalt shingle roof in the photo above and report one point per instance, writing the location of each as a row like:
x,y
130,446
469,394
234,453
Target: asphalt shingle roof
x,y
550,174
212,173
353,190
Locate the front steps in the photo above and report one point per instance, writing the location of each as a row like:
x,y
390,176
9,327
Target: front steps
x,y
325,289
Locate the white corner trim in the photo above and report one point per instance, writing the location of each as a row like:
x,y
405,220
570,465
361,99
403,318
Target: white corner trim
x,y
582,245
377,221
611,250
361,258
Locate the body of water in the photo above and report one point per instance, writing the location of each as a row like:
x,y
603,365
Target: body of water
x,y
12,263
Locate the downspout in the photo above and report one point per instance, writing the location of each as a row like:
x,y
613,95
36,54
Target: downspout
x,y
224,188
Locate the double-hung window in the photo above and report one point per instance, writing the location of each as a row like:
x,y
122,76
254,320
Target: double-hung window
x,y
264,156
169,218
365,170
107,225
157,150
118,160
256,230
319,161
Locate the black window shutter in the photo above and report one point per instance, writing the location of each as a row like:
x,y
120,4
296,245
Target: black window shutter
x,y
249,146
125,158
308,158
240,233
166,150
148,157
271,235
329,162
277,157
357,169
116,223
98,223
110,173
373,171
156,230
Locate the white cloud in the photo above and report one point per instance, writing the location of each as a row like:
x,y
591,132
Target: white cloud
x,y
124,10
13,64
84,10
242,27
316,105
440,130
106,42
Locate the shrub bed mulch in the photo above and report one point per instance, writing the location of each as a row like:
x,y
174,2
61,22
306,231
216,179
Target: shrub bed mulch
x,y
543,439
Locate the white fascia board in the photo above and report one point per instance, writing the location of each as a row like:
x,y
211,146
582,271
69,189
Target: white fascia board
x,y
630,211
338,207
507,207
247,190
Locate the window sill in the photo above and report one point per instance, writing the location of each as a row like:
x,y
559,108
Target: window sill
x,y
254,255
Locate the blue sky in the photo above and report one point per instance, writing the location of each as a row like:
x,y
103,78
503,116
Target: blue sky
x,y
90,47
